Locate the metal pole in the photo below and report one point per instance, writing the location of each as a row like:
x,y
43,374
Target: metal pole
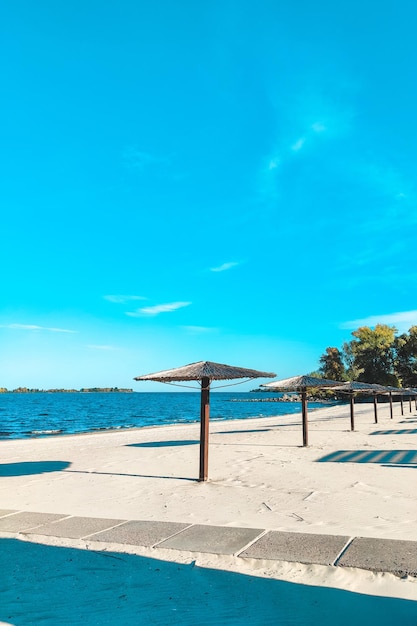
x,y
376,408
204,427
402,405
390,404
409,403
352,412
304,411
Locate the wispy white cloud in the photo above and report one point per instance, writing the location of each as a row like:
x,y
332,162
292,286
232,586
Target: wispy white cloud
x,y
284,151
310,117
123,299
157,309
296,147
318,127
224,267
402,320
273,163
35,327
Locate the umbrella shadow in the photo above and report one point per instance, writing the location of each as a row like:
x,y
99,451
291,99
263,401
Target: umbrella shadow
x,y
388,458
98,587
194,480
237,432
163,444
27,468
405,431
259,445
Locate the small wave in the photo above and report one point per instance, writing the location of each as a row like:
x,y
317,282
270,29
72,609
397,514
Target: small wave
x,y
95,429
45,432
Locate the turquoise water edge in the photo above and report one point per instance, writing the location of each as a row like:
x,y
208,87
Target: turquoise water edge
x,y
25,415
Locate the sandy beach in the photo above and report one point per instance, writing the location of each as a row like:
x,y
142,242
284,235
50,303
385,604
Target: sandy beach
x,y
345,483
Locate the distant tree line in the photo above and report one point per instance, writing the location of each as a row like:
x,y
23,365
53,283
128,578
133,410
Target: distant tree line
x,y
83,390
374,355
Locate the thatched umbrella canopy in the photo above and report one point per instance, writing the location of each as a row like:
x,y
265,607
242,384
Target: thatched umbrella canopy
x,y
401,391
205,372
410,393
301,384
352,388
396,391
414,393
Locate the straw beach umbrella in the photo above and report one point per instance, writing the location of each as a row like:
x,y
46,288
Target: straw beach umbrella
x,y
392,391
353,387
411,393
205,372
301,384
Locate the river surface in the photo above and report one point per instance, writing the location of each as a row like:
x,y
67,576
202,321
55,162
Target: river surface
x,y
44,414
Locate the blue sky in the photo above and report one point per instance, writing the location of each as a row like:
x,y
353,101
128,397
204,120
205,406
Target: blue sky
x,y
181,181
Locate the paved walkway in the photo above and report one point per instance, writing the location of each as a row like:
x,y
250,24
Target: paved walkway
x,y
377,555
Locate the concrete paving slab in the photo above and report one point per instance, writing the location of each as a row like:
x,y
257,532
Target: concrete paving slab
x,y
297,547
76,527
213,539
26,520
140,533
4,512
382,555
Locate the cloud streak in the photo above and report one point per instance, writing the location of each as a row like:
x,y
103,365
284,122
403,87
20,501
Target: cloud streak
x,y
284,152
224,267
151,311
35,327
296,147
402,320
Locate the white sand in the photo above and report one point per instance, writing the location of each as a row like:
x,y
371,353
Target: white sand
x,y
260,477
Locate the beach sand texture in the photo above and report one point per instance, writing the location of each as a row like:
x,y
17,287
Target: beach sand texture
x,y
356,484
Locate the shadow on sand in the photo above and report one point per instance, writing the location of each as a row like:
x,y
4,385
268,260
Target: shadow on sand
x,y
383,457
238,432
26,468
163,444
66,586
404,431
132,475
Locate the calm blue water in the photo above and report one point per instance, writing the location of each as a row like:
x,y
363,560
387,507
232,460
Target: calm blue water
x,y
45,414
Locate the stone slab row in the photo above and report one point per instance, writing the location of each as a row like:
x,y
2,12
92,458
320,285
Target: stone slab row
x,y
377,555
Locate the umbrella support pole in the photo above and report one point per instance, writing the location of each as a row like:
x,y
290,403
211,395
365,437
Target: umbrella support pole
x,y
390,405
352,412
376,408
409,404
402,405
204,428
305,420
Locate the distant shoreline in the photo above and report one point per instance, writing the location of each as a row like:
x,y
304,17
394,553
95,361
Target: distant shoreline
x,y
82,390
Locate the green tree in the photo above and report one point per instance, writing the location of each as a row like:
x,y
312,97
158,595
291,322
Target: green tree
x,y
373,354
353,371
406,358
331,364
